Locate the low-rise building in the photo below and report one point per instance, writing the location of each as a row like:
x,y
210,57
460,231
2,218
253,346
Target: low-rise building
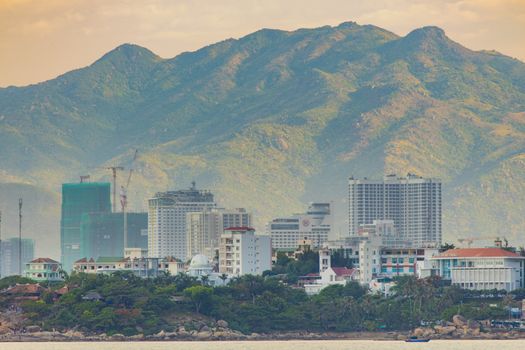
x,y
44,269
314,225
482,268
329,275
242,252
135,261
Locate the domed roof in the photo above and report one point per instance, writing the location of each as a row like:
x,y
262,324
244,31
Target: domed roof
x,y
199,261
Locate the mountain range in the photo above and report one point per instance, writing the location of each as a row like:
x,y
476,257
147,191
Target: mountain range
x,y
273,120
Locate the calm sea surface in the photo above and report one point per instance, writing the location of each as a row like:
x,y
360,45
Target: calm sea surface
x,y
277,345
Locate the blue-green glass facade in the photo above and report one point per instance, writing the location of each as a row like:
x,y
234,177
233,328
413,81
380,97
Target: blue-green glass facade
x,y
102,234
79,199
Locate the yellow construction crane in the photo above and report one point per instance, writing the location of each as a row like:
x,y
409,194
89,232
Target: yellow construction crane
x,y
124,199
497,241
114,170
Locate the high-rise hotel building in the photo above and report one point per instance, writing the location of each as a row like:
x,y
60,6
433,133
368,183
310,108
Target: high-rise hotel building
x,y
167,220
204,229
412,202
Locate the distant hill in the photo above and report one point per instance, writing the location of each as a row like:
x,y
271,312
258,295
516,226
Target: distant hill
x,y
275,119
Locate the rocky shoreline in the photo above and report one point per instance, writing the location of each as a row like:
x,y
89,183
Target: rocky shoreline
x,y
460,328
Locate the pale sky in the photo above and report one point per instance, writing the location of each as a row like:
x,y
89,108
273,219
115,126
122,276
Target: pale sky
x,y
40,39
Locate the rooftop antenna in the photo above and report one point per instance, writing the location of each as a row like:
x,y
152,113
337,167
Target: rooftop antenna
x,y
84,178
20,202
193,185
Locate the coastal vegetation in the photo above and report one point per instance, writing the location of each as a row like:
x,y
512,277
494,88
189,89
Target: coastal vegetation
x,y
128,305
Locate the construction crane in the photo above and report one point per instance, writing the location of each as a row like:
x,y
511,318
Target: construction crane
x,y
497,241
124,199
114,170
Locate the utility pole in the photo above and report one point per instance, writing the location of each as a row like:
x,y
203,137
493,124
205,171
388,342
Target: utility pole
x,y
20,237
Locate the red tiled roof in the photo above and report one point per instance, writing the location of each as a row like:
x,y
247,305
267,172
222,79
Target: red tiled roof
x,y
45,260
477,253
239,228
343,271
312,274
25,289
62,290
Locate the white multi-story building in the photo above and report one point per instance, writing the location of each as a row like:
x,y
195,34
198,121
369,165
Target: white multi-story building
x,y
482,268
329,275
167,220
413,203
242,252
315,225
205,228
377,258
369,258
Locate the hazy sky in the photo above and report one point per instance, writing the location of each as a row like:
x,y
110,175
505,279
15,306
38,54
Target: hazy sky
x,y
41,39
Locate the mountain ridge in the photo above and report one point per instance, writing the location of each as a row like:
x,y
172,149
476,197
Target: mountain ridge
x,y
277,118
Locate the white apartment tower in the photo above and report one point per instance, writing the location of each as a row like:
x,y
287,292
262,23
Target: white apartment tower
x,y
167,220
204,229
243,252
413,203
314,225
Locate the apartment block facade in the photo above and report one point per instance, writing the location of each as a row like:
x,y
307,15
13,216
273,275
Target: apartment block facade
x,y
243,252
412,202
167,220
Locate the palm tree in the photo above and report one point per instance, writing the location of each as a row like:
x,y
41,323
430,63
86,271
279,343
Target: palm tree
x,y
205,279
223,277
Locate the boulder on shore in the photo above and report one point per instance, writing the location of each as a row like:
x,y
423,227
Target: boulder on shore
x,y
459,321
222,324
33,329
445,330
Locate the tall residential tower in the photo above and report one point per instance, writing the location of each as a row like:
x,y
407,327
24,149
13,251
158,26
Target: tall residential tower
x,y
412,202
167,220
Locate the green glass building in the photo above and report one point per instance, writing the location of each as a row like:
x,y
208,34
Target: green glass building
x,y
79,199
102,234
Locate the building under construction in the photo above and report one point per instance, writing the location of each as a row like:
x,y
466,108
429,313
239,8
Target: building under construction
x,y
102,234
79,199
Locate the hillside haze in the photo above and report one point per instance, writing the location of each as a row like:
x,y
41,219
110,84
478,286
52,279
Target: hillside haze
x,y
273,120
